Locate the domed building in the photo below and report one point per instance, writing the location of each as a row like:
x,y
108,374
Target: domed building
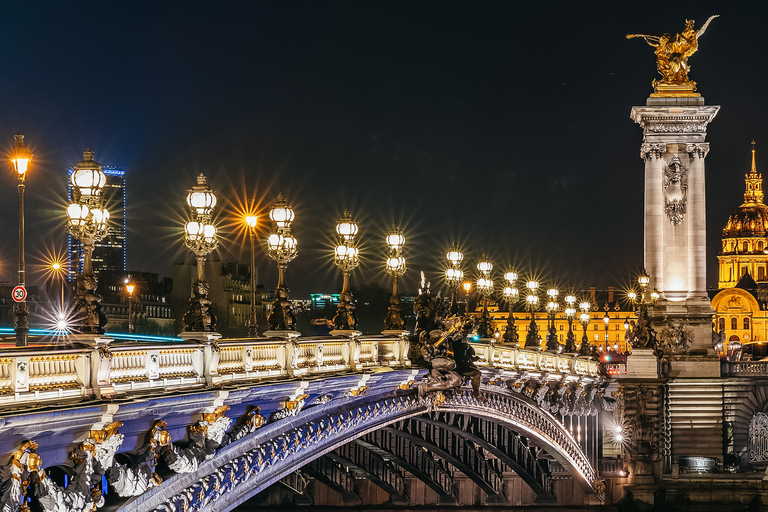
x,y
744,237
740,305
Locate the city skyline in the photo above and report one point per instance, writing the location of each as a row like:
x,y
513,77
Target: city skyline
x,y
505,129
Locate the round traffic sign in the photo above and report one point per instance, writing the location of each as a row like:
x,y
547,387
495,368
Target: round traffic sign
x,y
19,293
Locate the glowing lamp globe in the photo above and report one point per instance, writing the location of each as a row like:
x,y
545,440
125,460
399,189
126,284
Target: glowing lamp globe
x,y
20,156
570,300
644,280
251,220
510,277
485,266
100,217
194,230
455,256
454,275
395,240
510,292
584,318
281,213
346,228
585,306
201,198
77,214
87,176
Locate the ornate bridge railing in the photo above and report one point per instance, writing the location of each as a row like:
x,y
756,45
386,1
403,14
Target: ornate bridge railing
x,y
744,368
67,375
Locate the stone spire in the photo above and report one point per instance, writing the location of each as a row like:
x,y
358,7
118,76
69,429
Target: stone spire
x,y
754,181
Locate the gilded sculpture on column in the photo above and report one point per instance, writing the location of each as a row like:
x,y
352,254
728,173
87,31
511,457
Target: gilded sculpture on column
x,y
672,52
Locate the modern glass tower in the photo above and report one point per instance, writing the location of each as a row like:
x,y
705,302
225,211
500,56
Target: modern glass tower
x,y
110,253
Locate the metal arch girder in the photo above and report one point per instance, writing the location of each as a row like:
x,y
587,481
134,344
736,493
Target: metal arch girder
x,y
500,405
367,472
321,469
413,469
542,490
450,458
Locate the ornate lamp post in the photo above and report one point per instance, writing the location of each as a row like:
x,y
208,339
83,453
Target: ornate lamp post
x,y
643,335
253,325
454,274
553,345
346,258
200,238
282,247
485,288
129,287
532,304
606,319
584,349
395,267
87,222
511,295
20,157
570,314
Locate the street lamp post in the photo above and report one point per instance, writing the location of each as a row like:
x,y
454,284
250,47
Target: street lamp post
x,y
253,325
282,247
511,294
200,238
532,304
553,344
606,319
346,258
643,335
584,319
485,288
395,267
570,314
129,287
467,286
454,274
87,222
20,158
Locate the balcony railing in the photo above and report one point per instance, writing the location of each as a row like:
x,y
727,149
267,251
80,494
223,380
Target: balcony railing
x,y
68,375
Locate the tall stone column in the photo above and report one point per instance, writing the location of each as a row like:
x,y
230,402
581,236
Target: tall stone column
x,y
674,150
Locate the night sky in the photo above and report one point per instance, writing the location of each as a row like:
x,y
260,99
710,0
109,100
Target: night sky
x,y
503,127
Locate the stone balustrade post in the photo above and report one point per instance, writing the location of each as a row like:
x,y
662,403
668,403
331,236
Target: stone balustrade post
x,y
211,357
100,362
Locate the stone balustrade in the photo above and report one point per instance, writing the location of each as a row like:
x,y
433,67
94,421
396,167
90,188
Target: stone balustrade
x,y
508,357
65,375
744,368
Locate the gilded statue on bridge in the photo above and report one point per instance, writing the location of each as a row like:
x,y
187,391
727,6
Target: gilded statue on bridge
x,y
672,52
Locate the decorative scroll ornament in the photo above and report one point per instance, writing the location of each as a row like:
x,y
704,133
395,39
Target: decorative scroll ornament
x,y
656,149
676,127
757,446
205,438
697,149
675,182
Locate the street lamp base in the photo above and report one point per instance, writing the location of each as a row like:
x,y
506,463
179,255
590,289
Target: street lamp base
x,y
395,332
199,335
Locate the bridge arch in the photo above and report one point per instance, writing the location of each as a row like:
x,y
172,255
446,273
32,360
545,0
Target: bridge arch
x,y
240,470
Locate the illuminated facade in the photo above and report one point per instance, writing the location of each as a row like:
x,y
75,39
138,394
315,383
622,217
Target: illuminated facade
x,y
740,305
110,253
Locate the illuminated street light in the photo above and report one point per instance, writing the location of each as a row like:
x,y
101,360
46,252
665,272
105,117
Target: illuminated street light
x,y
553,344
253,325
20,156
467,286
570,314
485,289
129,287
532,304
282,247
511,294
395,267
87,223
643,335
584,349
200,238
453,274
346,258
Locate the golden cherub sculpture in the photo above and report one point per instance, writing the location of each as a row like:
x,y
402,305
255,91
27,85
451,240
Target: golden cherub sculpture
x,y
672,52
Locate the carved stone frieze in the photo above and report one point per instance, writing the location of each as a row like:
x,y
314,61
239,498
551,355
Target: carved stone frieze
x,y
698,149
652,150
676,127
675,184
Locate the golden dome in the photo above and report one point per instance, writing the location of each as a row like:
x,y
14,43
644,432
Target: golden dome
x,y
749,220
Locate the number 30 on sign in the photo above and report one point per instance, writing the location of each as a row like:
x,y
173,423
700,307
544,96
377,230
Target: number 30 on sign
x,y
19,293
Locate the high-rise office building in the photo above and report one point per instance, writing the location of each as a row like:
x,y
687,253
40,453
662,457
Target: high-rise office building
x,y
110,252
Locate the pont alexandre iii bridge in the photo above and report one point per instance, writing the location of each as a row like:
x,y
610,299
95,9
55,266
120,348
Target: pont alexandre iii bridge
x,y
207,424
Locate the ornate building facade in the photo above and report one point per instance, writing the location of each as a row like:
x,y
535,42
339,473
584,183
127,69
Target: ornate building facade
x,y
741,302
